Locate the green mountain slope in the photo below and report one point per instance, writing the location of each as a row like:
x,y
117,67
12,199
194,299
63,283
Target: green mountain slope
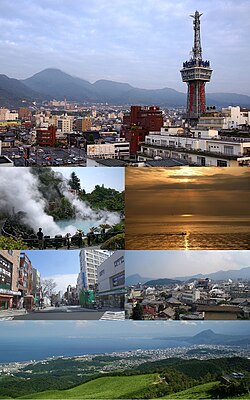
x,y
109,387
200,392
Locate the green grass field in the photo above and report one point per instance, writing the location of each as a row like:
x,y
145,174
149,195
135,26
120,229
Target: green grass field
x,y
126,387
199,392
101,388
196,392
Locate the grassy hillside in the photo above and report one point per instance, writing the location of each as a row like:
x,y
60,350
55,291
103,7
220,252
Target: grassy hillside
x,y
126,387
200,392
196,392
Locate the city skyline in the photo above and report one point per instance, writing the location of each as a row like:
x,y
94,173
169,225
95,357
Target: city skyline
x,y
174,264
90,41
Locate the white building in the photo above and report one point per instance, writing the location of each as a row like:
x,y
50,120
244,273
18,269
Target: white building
x,y
203,147
65,124
118,150
190,297
111,280
7,115
89,261
227,118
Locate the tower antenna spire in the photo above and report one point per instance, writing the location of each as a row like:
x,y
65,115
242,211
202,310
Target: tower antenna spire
x,y
197,52
196,73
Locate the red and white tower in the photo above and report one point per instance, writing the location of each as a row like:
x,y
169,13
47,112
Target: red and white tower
x,y
196,72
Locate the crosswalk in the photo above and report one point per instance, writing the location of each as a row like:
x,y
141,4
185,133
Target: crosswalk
x,y
113,316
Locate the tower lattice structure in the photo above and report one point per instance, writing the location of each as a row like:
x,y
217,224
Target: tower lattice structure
x,y
196,72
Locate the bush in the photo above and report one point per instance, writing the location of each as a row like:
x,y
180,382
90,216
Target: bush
x,y
117,242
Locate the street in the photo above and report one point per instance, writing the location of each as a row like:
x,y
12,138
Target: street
x,y
62,313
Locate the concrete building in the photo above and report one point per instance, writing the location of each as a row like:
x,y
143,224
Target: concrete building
x,y
9,275
65,124
46,136
7,115
25,281
89,262
83,124
227,118
36,283
190,297
118,150
138,123
111,280
203,147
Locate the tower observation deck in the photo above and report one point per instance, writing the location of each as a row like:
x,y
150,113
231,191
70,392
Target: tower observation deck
x,y
196,72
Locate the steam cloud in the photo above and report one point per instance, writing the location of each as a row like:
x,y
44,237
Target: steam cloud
x,y
20,192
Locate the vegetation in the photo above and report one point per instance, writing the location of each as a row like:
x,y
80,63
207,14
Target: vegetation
x,y
122,387
169,378
116,242
105,199
9,243
50,186
137,313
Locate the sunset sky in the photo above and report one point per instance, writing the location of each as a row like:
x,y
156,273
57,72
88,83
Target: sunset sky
x,y
187,194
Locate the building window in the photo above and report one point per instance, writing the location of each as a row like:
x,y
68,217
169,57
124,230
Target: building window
x,y
201,161
229,150
221,163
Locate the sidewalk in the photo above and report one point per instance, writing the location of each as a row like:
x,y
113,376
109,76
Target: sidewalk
x,y
11,313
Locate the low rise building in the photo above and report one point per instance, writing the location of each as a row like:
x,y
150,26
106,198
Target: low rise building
x,y
118,150
203,147
111,280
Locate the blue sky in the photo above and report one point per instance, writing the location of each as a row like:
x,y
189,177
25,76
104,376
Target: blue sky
x,y
50,262
109,177
62,266
170,264
142,42
22,330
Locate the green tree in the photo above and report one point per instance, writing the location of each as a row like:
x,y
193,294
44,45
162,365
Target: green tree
x,y
137,313
74,182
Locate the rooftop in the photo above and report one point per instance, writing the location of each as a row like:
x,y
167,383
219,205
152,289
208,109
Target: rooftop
x,y
5,160
110,162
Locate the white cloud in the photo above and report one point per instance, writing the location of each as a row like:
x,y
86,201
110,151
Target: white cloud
x,y
63,281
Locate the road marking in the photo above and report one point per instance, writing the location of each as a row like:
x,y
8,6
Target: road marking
x,y
113,315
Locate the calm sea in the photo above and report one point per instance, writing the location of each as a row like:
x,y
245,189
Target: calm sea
x,y
27,349
200,235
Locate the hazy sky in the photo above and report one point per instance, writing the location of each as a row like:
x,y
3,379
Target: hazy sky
x,y
109,177
24,330
62,266
142,42
186,193
170,264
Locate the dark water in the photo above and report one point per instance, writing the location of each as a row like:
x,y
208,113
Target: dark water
x,y
38,349
200,235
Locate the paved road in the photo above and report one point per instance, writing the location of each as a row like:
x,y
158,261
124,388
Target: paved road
x,y
62,313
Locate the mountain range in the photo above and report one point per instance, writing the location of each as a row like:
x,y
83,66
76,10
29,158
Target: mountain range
x,y
53,83
243,273
209,337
